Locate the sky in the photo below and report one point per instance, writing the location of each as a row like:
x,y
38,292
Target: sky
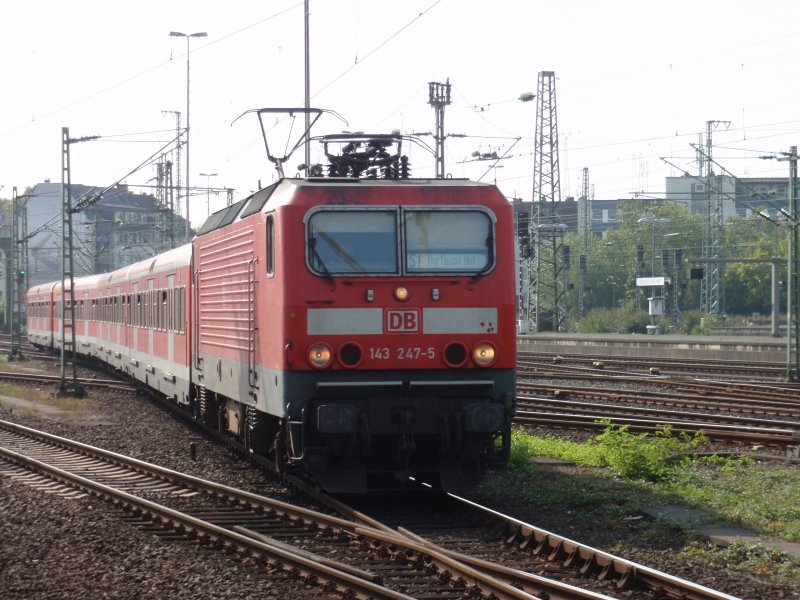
x,y
636,84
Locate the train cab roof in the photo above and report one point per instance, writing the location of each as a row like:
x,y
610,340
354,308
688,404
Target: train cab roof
x,y
315,191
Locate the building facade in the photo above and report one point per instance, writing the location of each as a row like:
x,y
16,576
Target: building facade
x,y
117,227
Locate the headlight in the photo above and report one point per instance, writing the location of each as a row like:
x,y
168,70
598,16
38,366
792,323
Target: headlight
x,y
319,355
402,293
483,354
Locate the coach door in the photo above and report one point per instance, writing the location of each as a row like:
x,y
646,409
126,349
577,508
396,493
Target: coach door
x,y
168,325
117,320
136,320
150,308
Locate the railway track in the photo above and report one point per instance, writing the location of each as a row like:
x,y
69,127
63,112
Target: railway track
x,y
87,382
354,557
27,349
752,400
733,411
590,409
738,370
563,396
582,416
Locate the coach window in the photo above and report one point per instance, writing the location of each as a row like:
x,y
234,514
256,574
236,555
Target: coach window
x,y
448,241
170,309
352,242
164,311
181,315
270,246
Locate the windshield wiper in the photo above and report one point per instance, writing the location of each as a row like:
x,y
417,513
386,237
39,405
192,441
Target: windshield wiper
x,y
312,247
341,253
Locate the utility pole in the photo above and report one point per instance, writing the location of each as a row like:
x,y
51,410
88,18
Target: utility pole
x,y
676,286
438,98
547,308
19,274
67,299
307,84
793,276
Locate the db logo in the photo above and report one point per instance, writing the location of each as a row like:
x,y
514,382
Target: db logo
x,y
402,321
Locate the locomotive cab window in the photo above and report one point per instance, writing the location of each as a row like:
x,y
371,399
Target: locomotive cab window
x,y
270,246
448,241
345,242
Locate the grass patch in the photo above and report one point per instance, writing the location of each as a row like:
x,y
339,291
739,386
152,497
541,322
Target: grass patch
x,y
617,473
44,395
643,456
773,564
26,393
29,411
27,364
746,493
69,403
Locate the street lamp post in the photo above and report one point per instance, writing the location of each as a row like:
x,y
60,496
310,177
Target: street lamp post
x,y
188,36
792,267
655,302
208,177
653,220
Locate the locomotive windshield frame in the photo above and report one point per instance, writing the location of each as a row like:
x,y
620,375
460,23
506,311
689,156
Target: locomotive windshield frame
x,y
400,241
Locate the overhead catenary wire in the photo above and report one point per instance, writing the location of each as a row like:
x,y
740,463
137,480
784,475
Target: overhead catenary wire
x,y
92,196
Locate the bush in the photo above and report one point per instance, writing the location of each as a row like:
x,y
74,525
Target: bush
x,y
613,320
643,456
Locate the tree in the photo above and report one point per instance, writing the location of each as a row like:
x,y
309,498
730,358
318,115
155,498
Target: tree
x,y
644,230
748,285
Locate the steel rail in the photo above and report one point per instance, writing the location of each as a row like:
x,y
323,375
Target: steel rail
x,y
726,432
183,522
620,367
589,558
745,402
624,411
42,378
484,579
767,390
691,364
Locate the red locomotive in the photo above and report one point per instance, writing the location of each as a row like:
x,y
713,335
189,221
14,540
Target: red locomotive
x,y
357,324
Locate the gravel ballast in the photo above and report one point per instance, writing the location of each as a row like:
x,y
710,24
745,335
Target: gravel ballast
x,y
56,547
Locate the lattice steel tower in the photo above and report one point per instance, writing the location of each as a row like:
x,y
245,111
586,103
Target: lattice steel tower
x,y
585,236
712,297
165,198
547,309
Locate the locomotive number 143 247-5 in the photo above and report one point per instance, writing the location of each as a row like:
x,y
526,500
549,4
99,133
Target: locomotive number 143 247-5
x,y
402,353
